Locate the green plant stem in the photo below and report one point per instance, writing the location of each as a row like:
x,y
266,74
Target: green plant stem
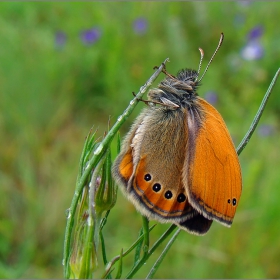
x,y
162,255
97,154
103,222
146,232
255,122
86,268
146,257
119,273
138,248
113,261
104,255
93,214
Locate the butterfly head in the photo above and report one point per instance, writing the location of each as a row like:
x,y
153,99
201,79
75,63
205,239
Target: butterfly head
x,y
180,91
176,92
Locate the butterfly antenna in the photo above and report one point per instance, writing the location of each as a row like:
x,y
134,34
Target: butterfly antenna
x,y
219,45
200,62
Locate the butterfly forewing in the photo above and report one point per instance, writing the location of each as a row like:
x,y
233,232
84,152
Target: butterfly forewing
x,y
212,172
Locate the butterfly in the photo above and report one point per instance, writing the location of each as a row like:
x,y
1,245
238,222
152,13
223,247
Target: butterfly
x,y
178,163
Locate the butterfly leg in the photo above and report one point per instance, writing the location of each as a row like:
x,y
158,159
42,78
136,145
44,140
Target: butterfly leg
x,y
164,71
149,102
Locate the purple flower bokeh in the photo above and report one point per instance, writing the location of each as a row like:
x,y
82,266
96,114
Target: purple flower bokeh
x,y
90,36
140,25
253,49
255,33
211,97
265,130
244,3
60,39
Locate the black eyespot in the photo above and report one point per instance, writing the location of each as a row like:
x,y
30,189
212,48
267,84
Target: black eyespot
x,y
168,194
228,201
234,202
147,177
156,187
181,197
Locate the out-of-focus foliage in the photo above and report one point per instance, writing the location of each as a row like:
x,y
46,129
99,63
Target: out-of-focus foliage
x,y
67,66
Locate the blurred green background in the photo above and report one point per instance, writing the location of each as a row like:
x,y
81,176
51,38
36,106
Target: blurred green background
x,y
68,66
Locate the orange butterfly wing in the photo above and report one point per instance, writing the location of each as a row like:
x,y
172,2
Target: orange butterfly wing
x,y
212,173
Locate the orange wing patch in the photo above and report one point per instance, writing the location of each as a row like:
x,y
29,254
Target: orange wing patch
x,y
157,198
214,180
126,166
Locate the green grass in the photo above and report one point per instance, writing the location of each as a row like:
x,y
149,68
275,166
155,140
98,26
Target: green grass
x,y
50,98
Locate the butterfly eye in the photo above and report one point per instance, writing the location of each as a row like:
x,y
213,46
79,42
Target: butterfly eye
x,y
147,177
168,194
156,187
181,198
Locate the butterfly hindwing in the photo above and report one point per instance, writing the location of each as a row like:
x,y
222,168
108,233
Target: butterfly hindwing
x,y
198,225
123,165
155,169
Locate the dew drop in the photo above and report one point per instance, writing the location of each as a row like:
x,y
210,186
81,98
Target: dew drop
x,y
67,212
98,150
131,102
90,221
145,248
63,262
87,165
119,118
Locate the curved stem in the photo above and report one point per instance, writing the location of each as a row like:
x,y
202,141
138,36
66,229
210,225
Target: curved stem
x,y
163,254
115,259
146,257
255,122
